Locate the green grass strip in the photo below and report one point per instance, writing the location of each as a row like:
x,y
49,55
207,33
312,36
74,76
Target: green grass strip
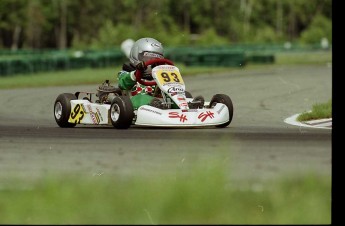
x,y
319,111
202,196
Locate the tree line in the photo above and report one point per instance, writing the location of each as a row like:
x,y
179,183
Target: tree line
x,y
62,24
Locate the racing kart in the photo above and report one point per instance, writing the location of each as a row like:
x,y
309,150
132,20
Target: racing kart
x,y
71,109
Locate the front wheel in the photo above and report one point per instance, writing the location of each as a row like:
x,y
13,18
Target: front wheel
x,y
188,94
224,99
62,109
121,112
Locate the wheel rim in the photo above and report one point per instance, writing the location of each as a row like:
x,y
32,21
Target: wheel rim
x,y
115,112
58,110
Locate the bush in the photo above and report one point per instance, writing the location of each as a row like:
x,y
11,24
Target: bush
x,y
321,27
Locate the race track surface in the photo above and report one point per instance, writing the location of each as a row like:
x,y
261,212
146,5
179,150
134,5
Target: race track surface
x,y
256,146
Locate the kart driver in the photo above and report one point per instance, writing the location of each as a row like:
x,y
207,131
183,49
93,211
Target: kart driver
x,y
143,50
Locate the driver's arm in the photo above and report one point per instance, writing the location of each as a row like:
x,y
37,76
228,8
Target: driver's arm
x,y
126,80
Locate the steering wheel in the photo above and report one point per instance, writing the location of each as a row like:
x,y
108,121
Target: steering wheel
x,y
157,61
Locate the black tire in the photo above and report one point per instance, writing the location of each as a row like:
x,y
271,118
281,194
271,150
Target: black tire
x,y
188,94
118,91
62,109
121,112
224,99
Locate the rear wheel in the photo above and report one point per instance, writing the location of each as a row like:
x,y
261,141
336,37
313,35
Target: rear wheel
x,y
224,99
62,109
121,112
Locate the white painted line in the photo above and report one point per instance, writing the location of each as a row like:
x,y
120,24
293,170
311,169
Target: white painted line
x,y
321,123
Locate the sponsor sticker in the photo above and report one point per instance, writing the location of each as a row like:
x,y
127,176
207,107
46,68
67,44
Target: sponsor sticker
x,y
176,115
99,113
77,114
165,76
150,110
221,109
204,115
93,115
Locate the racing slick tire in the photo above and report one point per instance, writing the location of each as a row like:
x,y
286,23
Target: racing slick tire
x,y
121,112
188,94
224,99
62,109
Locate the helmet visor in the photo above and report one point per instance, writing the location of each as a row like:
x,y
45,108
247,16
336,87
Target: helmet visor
x,y
145,56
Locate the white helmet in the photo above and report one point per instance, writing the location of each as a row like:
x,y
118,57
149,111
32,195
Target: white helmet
x,y
145,49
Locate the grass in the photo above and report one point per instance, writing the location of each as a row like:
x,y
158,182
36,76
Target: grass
x,y
312,57
319,111
203,196
82,76
97,76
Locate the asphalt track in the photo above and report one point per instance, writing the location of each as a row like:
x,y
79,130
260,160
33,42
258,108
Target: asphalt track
x,y
257,145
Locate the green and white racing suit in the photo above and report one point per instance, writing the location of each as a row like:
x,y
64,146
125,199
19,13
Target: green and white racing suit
x,y
141,94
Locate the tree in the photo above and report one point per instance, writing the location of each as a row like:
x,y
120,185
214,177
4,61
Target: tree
x,y
100,24
12,22
320,28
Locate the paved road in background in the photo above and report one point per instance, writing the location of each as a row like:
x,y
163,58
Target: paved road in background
x,y
257,145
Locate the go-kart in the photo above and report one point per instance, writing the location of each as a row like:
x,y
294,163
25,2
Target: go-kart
x,y
70,109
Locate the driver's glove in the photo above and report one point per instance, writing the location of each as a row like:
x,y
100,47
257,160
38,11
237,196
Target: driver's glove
x,y
141,66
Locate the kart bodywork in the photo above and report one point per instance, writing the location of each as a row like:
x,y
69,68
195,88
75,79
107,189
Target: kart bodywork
x,y
71,109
